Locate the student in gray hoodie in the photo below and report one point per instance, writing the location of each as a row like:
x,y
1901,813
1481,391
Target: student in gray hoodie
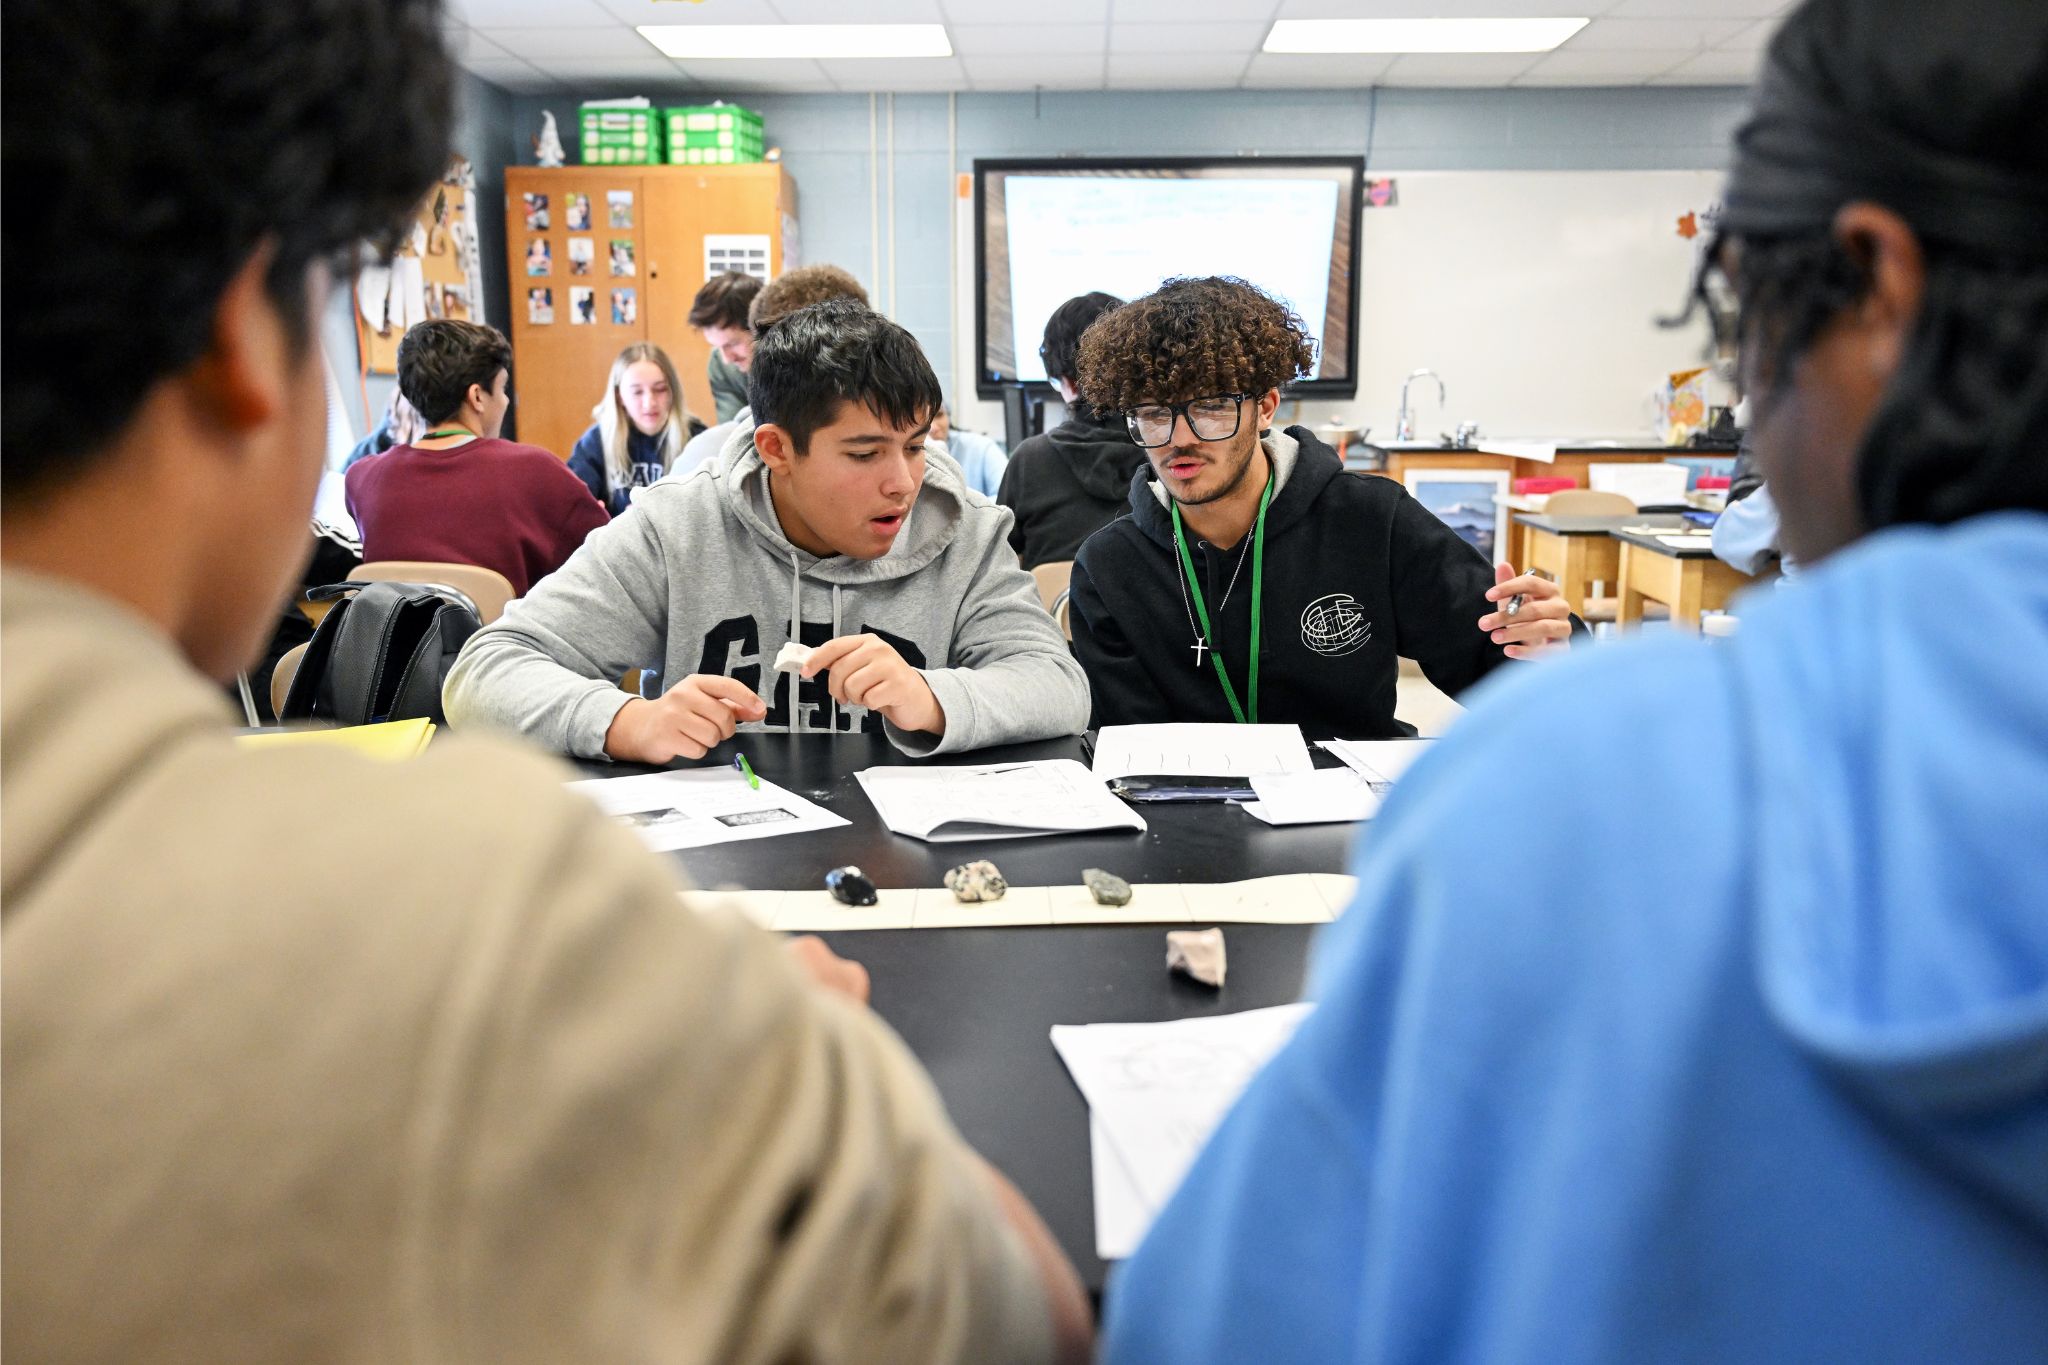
x,y
829,528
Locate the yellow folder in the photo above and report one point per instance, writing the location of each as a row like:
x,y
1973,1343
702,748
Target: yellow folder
x,y
390,740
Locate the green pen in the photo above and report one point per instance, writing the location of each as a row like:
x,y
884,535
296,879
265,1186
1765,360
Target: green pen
x,y
740,762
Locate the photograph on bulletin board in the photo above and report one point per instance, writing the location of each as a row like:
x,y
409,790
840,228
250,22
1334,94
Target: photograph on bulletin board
x,y
619,204
625,312
540,307
582,305
582,255
622,257
540,257
536,212
576,212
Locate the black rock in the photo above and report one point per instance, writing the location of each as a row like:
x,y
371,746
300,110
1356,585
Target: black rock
x,y
850,886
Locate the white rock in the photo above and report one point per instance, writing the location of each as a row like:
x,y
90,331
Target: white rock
x,y
792,657
1198,952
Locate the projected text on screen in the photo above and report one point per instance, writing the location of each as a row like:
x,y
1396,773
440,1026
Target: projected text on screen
x,y
1072,234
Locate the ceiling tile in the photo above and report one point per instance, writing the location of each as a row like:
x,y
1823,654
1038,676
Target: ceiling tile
x,y
1600,68
1042,11
1175,71
917,73
868,12
1302,71
765,73
1185,11
609,39
1239,39
514,75
1456,69
656,74
1695,9
1433,9
466,44
1653,35
528,13
1714,68
668,12
1028,73
1755,38
1029,40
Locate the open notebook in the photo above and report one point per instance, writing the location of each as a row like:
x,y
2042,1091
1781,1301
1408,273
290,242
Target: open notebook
x,y
994,801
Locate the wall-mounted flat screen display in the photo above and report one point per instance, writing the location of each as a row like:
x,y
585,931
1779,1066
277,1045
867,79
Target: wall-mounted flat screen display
x,y
1046,231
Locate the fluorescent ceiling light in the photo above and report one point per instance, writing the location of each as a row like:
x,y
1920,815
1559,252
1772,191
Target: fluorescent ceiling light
x,y
705,42
1419,35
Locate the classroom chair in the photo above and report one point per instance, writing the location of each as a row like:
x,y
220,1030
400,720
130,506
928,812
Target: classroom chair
x,y
282,675
1053,580
1587,502
485,589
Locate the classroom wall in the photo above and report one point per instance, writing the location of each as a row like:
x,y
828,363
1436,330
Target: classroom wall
x,y
841,158
486,125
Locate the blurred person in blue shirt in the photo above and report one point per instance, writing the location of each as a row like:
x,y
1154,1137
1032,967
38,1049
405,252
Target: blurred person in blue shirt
x,y
981,458
1739,1053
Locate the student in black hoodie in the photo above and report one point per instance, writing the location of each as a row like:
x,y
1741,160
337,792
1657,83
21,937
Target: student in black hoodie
x,y
1070,482
1255,580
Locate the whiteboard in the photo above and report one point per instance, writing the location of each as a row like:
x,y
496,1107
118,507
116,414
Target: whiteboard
x,y
1535,294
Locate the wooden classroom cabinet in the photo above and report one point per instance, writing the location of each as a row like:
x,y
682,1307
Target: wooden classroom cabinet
x,y
559,366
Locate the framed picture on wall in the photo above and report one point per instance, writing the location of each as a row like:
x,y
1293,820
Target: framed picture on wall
x,y
1472,502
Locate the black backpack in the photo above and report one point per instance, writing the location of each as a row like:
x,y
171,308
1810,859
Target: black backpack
x,y
381,653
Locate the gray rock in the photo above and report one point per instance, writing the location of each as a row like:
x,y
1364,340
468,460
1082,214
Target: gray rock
x,y
976,881
850,886
1106,887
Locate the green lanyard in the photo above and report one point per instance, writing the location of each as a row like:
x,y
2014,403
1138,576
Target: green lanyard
x,y
447,431
1187,564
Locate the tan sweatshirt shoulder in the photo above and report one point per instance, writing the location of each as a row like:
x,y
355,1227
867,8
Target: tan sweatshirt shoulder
x,y
556,1113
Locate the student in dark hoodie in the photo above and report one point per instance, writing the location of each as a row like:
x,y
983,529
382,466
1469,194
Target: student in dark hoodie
x,y
1070,482
1255,580
1578,1086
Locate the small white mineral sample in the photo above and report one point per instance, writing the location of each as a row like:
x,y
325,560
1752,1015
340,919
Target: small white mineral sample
x,y
1198,952
976,881
792,657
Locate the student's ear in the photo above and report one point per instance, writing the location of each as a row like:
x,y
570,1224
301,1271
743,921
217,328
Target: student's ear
x,y
1269,403
243,377
774,447
1885,246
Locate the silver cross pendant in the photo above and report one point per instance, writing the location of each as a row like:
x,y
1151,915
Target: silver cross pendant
x,y
1200,646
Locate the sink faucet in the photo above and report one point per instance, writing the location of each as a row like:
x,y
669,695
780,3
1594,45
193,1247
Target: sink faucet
x,y
1404,423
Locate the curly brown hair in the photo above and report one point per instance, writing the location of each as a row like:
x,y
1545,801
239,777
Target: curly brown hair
x,y
801,288
1193,339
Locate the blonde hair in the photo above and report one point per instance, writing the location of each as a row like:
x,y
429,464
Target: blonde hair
x,y
614,427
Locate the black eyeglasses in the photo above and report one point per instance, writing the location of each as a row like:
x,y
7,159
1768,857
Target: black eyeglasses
x,y
1210,419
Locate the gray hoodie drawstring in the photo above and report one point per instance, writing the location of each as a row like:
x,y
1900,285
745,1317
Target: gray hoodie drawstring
x,y
835,635
796,619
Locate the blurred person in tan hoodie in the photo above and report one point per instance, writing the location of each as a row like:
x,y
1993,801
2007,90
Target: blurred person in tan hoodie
x,y
310,1058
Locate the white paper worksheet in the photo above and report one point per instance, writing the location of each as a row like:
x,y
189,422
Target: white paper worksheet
x,y
1155,1092
1325,796
1198,750
994,801
1379,761
700,806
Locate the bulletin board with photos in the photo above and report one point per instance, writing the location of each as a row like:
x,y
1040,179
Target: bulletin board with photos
x,y
579,260
604,256
437,272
